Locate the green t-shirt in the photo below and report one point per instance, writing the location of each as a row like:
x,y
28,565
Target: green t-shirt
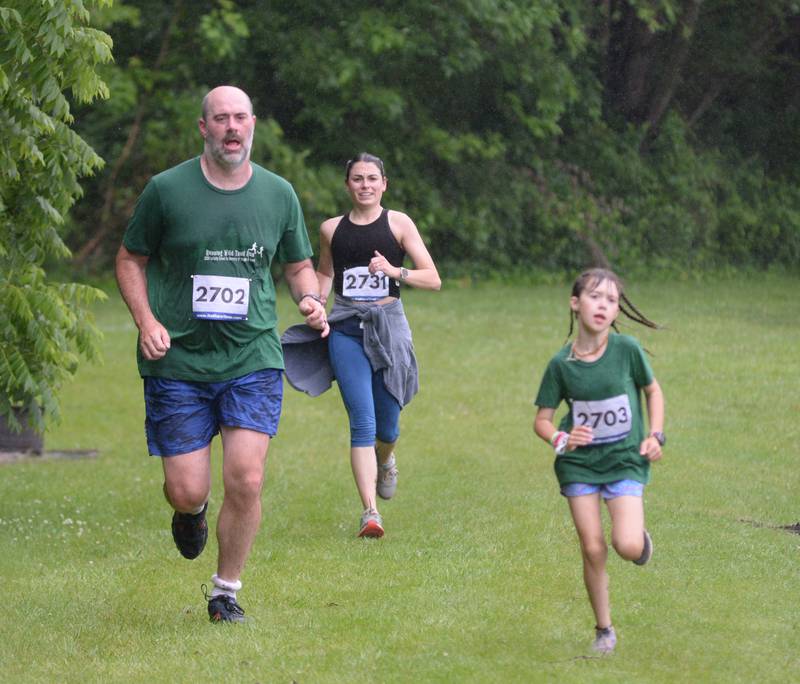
x,y
224,326
605,394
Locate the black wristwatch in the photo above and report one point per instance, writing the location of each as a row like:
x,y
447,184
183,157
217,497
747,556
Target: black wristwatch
x,y
660,438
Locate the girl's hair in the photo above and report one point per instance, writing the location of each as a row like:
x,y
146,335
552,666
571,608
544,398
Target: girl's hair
x,y
363,157
590,279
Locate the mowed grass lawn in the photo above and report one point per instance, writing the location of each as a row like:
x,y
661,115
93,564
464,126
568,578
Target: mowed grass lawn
x,y
478,578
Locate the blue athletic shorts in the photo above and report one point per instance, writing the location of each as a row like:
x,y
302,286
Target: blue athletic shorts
x,y
183,416
609,490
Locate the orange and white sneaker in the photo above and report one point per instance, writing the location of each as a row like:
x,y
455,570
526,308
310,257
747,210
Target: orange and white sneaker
x,y
371,524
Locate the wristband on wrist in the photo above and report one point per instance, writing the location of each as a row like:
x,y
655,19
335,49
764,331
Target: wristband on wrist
x,y
559,442
313,296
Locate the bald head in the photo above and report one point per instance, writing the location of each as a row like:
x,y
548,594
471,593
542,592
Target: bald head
x,y
227,126
223,95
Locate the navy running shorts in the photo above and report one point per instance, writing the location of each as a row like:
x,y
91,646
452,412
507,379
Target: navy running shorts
x,y
182,416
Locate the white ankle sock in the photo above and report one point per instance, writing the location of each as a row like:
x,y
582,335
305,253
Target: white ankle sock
x,y
222,586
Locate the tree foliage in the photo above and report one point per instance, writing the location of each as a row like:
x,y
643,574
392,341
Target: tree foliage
x,y
519,135
48,54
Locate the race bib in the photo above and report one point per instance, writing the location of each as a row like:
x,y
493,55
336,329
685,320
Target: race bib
x,y
220,298
610,419
359,283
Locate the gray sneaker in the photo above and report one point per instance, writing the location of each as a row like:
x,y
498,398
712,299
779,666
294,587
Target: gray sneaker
x,y
387,478
647,551
371,524
223,608
605,640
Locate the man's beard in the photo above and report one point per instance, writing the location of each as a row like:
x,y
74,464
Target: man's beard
x,y
232,160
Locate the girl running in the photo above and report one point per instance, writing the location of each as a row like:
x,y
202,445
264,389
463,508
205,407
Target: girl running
x,y
602,450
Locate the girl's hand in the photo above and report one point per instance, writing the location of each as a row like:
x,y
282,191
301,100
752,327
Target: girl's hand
x,y
380,263
650,449
580,436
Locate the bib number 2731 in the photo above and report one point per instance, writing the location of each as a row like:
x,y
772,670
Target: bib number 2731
x,y
220,298
359,283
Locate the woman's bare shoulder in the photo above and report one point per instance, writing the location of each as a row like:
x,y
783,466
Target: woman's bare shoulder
x,y
329,225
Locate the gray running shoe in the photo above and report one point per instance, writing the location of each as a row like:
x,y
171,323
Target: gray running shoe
x,y
371,524
387,478
647,552
223,608
605,640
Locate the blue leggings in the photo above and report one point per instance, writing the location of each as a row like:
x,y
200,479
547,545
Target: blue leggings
x,y
372,410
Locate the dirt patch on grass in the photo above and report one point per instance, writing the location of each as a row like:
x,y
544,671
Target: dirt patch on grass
x,y
16,456
795,528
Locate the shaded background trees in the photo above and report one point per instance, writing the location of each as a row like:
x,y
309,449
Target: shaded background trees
x,y
521,136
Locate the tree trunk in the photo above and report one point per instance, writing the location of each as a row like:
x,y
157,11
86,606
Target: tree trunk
x,y
27,441
629,59
105,222
643,67
671,75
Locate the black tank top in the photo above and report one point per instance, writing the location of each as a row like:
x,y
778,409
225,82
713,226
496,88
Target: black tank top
x,y
352,247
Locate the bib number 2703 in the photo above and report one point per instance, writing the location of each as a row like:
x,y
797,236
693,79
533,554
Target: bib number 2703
x,y
220,298
610,419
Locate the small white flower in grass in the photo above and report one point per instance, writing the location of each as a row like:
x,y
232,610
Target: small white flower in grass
x,y
67,521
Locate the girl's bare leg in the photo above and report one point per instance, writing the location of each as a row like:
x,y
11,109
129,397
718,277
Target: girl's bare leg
x,y
589,525
627,526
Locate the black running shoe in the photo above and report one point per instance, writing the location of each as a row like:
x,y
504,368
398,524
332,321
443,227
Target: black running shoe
x,y
190,532
223,608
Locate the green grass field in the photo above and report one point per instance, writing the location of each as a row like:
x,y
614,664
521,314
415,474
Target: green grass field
x,y
478,578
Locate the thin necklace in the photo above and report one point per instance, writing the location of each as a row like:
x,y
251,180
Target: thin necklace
x,y
583,355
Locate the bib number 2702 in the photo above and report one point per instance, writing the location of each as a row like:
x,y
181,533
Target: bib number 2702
x,y
220,298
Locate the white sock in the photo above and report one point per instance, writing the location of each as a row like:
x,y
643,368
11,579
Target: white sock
x,y
222,586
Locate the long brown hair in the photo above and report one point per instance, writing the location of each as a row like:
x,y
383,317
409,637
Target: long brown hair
x,y
588,280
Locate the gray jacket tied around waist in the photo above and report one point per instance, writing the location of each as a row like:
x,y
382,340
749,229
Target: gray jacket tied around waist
x,y
387,344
